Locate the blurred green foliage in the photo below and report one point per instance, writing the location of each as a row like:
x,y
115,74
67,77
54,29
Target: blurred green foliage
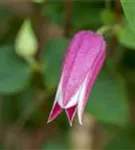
x,y
52,57
27,91
109,90
126,37
129,10
15,74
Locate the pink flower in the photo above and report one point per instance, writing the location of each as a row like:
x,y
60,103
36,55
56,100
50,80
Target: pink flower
x,y
83,61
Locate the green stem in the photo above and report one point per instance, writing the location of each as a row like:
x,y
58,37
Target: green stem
x,y
102,30
33,63
107,4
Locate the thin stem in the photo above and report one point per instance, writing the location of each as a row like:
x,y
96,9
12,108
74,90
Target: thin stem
x,y
107,4
118,10
102,30
35,65
68,17
40,27
39,23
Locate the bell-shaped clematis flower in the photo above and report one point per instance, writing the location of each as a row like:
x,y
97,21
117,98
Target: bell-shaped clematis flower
x,y
83,61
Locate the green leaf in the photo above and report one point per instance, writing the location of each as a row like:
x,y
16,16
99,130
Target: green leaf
x,y
87,14
5,12
10,109
126,37
5,20
86,19
108,17
52,61
108,101
26,99
15,74
124,140
54,12
2,146
110,130
29,101
55,144
129,10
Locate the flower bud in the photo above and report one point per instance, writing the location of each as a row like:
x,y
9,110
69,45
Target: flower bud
x,y
26,42
84,59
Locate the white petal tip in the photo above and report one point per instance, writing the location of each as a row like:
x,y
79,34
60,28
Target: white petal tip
x,y
80,120
70,123
48,121
81,123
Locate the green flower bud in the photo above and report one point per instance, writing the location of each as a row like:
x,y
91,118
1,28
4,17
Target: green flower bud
x,y
26,42
38,1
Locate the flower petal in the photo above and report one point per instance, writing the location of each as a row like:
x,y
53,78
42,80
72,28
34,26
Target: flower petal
x,y
56,110
83,61
82,95
90,83
71,113
75,70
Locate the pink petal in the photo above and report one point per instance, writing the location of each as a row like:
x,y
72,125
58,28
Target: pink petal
x,y
83,61
76,67
96,68
56,110
71,113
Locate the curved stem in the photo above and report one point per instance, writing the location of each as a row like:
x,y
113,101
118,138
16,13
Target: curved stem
x,y
104,29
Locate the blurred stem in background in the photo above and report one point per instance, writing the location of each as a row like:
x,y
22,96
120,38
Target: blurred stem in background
x,y
113,40
107,4
39,24
68,4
